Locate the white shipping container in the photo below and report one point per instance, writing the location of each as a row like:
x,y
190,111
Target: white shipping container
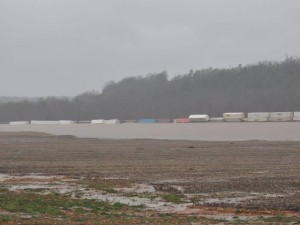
x,y
19,122
97,121
296,116
258,114
113,121
234,117
199,118
281,116
258,117
280,119
43,122
66,122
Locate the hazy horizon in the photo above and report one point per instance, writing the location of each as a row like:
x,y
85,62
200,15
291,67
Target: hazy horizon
x,y
67,47
20,97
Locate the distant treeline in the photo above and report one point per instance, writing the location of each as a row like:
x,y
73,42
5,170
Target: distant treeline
x,y
265,86
7,99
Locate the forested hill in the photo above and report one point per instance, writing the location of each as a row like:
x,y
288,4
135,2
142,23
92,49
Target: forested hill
x,y
265,86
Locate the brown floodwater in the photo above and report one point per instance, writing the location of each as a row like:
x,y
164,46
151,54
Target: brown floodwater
x,y
269,131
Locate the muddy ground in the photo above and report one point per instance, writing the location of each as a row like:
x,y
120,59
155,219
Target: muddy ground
x,y
215,182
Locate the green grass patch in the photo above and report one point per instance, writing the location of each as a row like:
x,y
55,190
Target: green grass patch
x,y
45,209
174,198
51,204
237,211
5,218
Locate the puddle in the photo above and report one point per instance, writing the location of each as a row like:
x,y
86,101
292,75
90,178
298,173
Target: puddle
x,y
4,177
33,178
171,181
274,196
144,195
36,186
138,188
234,200
154,204
179,188
62,185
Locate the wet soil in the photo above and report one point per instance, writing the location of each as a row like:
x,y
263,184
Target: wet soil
x,y
250,176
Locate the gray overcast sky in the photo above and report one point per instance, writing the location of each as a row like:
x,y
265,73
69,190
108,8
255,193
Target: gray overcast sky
x,y
66,47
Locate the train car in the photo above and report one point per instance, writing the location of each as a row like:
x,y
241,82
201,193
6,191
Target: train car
x,y
234,117
281,116
199,118
258,117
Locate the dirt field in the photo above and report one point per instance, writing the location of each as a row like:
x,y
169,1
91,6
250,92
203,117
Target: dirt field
x,y
149,181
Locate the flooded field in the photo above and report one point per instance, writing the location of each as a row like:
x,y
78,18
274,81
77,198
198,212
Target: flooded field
x,y
270,131
46,179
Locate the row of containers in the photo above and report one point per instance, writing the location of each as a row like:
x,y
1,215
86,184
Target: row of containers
x,y
227,117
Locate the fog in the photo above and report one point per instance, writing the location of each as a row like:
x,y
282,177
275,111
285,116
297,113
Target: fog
x,y
66,47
